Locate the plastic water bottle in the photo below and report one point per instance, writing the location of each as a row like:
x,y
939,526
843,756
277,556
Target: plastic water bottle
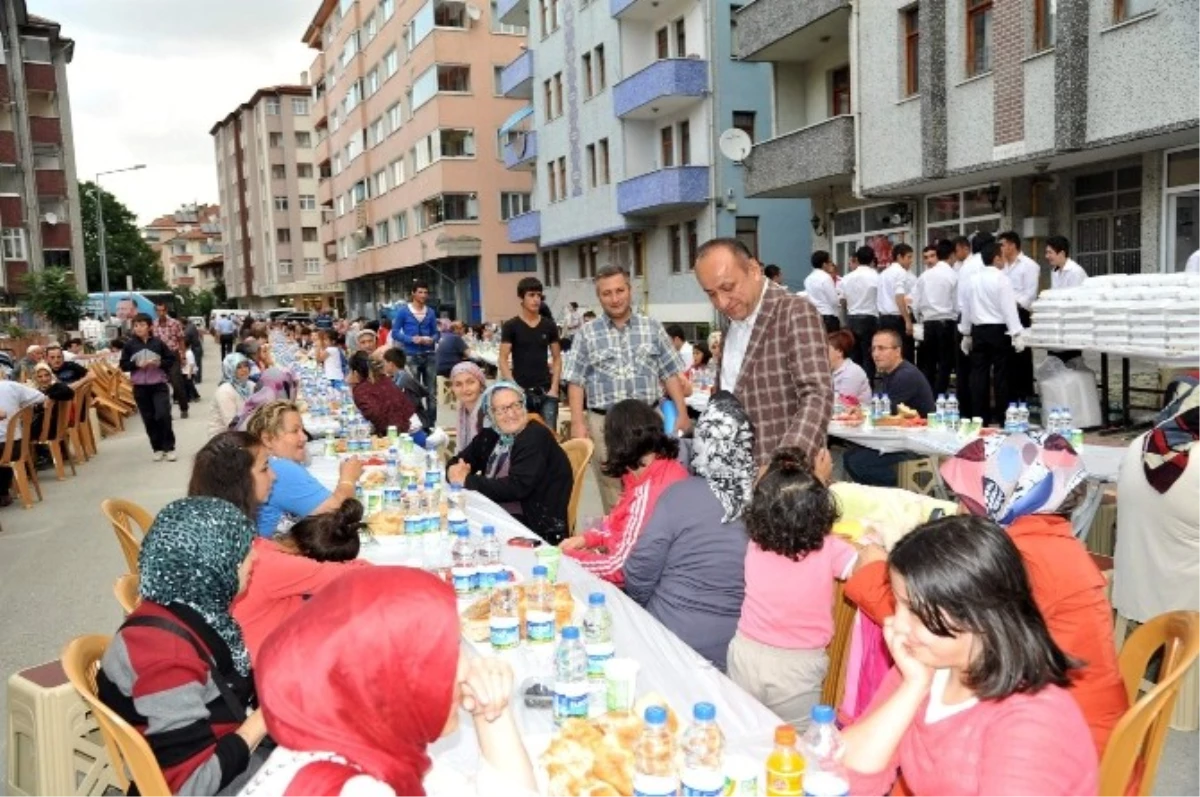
x,y
410,505
597,635
654,757
463,570
570,677
703,754
539,609
951,416
939,410
433,467
1022,416
670,415
487,559
885,405
1067,422
876,405
1010,418
504,624
456,518
824,775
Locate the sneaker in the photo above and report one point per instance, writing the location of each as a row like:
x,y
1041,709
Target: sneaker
x,y
158,456
182,414
171,456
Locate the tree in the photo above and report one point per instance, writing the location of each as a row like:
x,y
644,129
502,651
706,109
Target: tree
x,y
52,293
128,253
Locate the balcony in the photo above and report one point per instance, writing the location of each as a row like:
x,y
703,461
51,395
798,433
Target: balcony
x,y
4,95
45,130
662,88
325,191
662,191
8,147
51,182
56,236
800,163
11,213
516,79
786,30
40,77
521,153
526,228
514,12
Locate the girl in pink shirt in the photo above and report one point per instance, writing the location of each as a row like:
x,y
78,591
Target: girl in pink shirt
x,y
976,702
778,654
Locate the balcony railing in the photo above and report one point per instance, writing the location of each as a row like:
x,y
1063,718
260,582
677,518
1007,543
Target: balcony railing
x,y
662,88
45,130
40,77
788,30
8,147
514,12
525,228
662,191
516,79
56,236
51,182
521,152
802,162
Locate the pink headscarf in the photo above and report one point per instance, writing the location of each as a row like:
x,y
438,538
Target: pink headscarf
x,y
469,422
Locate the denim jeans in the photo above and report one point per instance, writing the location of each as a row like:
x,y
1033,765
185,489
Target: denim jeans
x,y
537,401
423,367
868,466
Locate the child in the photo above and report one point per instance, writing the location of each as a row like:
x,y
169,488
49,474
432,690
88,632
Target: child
x,y
187,369
329,354
778,653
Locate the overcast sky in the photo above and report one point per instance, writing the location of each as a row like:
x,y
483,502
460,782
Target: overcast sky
x,y
151,77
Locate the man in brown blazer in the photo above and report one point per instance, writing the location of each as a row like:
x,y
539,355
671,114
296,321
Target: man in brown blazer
x,y
774,356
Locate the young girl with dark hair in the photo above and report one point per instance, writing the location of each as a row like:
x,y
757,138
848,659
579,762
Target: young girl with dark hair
x,y
233,466
778,654
976,703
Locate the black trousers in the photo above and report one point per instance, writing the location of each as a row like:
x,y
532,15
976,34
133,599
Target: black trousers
x,y
154,405
226,346
936,356
832,323
178,388
863,327
6,474
908,345
991,357
962,379
1020,369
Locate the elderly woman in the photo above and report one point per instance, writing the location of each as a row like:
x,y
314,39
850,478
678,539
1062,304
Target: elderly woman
x,y
45,381
377,397
274,384
177,669
517,464
714,347
850,382
1029,484
1157,558
230,396
687,566
468,383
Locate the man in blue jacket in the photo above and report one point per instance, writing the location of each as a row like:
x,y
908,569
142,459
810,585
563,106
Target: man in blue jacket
x,y
415,329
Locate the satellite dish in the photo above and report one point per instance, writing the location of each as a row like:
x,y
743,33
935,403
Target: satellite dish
x,y
50,218
473,12
735,144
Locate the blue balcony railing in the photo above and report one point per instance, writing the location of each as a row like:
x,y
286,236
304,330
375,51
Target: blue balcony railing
x,y
516,79
663,87
662,191
525,228
521,151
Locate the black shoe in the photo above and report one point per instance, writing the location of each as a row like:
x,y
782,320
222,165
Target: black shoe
x,y
182,414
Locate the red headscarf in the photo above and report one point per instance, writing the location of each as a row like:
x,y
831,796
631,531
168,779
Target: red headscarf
x,y
365,670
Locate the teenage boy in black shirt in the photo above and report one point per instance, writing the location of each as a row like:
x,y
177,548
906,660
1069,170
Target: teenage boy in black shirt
x,y
530,339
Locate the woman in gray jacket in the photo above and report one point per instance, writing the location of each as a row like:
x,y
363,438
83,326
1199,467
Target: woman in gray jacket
x,y
687,568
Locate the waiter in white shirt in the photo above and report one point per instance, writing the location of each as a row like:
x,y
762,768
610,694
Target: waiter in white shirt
x,y
895,284
821,291
1023,272
1066,273
992,331
935,305
858,290
967,272
962,252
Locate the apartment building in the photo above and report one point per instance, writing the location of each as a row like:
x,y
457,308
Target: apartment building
x,y
626,100
266,177
188,244
911,122
39,194
412,178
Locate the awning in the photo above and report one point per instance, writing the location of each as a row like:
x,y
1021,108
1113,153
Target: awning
x,y
516,119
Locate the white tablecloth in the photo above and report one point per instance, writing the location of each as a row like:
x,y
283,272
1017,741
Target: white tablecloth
x,y
1170,359
317,427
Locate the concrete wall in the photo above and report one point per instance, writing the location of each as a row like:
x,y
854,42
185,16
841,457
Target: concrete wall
x,y
1039,102
890,150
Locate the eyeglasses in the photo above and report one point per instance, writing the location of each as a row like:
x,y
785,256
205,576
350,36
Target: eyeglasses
x,y
508,409
883,348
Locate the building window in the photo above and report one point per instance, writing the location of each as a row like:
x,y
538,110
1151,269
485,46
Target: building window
x,y
685,143
381,184
600,79
1108,222
312,265
912,42
744,121
551,186
283,235
746,231
308,235
562,178
548,101
457,143
666,148
498,80
558,94
1128,9
839,90
285,268
397,172
381,233
12,243
1181,197
588,91
516,264
278,171
514,203
602,157
675,246
947,216
1045,13
454,77
680,38
979,37
272,106
400,225
391,62
275,139
692,230
550,267
299,106
591,162
662,43
733,31
303,139
308,202
281,203
304,171
587,260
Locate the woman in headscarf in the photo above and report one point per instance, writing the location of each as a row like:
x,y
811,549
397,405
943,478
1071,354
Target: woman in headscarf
x,y
230,396
468,382
517,464
275,384
1157,557
177,669
1029,484
377,397
340,732
687,567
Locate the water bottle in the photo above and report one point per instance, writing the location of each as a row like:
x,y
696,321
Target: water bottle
x,y
703,754
433,467
1067,421
952,411
670,415
487,559
1010,418
885,405
410,506
504,624
654,756
330,449
539,609
462,567
570,677
939,411
597,635
876,403
456,518
1022,416
824,775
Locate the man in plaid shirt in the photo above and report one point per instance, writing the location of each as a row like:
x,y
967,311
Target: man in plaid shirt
x,y
615,357
774,356
171,333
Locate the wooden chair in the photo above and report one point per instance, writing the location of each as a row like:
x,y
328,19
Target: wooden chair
x,y
82,439
127,749
838,649
123,515
55,435
20,428
580,453
126,590
1138,738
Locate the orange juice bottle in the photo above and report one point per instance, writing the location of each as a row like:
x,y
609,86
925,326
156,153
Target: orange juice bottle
x,y
785,766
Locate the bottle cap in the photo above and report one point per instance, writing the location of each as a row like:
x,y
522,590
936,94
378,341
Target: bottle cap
x,y
539,570
785,736
463,533
489,529
500,577
822,714
656,715
596,599
570,632
705,712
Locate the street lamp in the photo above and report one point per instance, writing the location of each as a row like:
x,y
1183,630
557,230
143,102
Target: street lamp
x,y
100,229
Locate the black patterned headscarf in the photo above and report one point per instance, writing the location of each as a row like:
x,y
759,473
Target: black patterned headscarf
x,y
724,453
191,556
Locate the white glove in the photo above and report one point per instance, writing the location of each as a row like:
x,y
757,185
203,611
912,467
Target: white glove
x,y
965,346
918,332
1018,341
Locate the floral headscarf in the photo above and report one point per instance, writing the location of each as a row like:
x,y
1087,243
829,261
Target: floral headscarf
x,y
1005,477
724,453
275,384
497,464
191,556
1166,449
229,368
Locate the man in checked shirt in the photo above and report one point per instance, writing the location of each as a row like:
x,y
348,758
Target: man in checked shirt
x,y
615,357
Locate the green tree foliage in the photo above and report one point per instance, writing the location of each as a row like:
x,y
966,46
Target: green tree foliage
x,y
191,302
52,293
128,253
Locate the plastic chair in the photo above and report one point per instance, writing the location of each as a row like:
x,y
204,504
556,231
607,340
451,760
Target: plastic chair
x,y
82,439
55,435
126,590
844,612
20,427
580,453
121,514
127,749
1138,737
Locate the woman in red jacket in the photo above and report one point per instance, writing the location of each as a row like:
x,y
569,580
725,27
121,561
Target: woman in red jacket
x,y
376,396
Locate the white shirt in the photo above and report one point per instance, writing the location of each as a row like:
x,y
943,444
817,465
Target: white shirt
x,y
189,363
935,296
895,280
685,351
1071,275
859,288
851,380
991,301
737,340
1023,273
15,397
333,363
820,290
1193,263
966,275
